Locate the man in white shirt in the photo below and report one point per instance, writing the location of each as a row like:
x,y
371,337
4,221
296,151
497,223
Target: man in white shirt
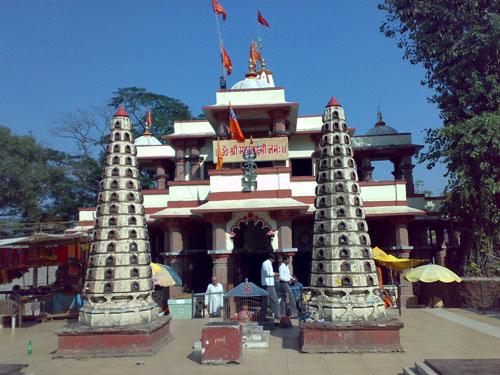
x,y
214,297
285,278
267,281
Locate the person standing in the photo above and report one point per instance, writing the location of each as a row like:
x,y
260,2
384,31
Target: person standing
x,y
214,297
285,278
267,281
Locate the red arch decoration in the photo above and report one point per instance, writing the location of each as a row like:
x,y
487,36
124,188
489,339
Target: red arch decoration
x,y
251,218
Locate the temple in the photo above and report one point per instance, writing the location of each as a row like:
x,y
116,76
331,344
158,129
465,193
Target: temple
x,y
205,221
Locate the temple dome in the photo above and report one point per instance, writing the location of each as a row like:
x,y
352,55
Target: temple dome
x,y
381,128
251,83
147,140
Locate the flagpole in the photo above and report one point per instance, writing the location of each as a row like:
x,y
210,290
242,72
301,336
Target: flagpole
x,y
219,37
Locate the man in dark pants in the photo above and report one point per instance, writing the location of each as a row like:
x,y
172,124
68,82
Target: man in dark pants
x,y
285,278
267,281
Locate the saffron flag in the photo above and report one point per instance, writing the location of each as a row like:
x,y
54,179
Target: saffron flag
x,y
219,9
220,158
262,20
226,61
234,126
254,54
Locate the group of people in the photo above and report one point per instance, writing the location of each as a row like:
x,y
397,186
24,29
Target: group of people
x,y
278,283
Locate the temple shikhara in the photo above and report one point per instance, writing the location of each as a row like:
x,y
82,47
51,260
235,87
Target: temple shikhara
x,y
207,219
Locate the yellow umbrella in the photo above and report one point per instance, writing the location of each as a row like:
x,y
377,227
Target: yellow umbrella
x,y
431,273
164,275
395,263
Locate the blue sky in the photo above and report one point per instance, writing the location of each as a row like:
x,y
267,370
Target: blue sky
x,y
57,56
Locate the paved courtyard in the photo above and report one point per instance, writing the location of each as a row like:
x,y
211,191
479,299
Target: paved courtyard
x,y
446,333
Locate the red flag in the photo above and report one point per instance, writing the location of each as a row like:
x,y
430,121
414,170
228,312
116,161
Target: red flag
x,y
226,61
234,126
219,9
262,20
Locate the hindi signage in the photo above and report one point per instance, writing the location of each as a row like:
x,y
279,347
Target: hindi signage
x,y
266,149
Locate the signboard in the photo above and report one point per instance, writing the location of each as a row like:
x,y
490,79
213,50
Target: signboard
x,y
266,149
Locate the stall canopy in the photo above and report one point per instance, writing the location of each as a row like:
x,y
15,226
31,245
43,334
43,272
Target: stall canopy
x,y
392,262
40,238
247,289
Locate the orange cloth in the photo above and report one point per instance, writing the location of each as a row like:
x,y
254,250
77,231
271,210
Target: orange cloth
x,y
219,9
220,158
234,126
226,61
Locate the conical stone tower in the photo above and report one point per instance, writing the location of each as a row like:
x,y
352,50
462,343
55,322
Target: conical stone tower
x,y
343,276
118,281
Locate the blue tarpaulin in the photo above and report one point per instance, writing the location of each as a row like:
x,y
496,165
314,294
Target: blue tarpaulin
x,y
247,289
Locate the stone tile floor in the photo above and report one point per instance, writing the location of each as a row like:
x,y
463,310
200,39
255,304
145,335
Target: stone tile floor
x,y
425,335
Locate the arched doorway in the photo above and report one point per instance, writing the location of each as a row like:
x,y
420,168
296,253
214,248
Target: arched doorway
x,y
252,242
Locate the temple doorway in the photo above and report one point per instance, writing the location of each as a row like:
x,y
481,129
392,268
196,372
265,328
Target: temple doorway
x,y
252,244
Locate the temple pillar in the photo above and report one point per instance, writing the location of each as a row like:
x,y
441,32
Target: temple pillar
x,y
219,253
161,178
407,167
220,260
397,172
222,130
180,161
175,256
403,250
315,155
195,162
367,169
278,119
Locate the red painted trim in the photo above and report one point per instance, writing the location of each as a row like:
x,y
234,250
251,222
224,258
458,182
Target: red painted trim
x,y
183,204
302,178
306,200
154,191
86,209
237,172
239,195
276,208
188,136
86,223
187,183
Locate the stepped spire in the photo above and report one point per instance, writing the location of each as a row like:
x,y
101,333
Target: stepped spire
x,y
343,274
118,281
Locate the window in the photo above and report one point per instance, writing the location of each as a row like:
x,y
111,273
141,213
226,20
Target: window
x,y
342,226
131,209
132,246
128,149
368,266
361,226
129,173
321,254
337,139
337,151
115,172
113,209
359,212
344,253
134,259
339,188
342,240
348,151
113,197
128,160
339,175
369,281
321,267
112,221
356,201
108,274
114,184
111,235
346,281
345,267
132,234
117,136
130,197
350,163
347,139
355,188
301,167
340,200
134,272
110,261
132,221
116,148
127,136
338,162
111,247
340,212
108,288
118,125
320,281
363,239
130,185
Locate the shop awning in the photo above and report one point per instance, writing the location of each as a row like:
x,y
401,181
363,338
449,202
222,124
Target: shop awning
x,y
38,238
265,204
392,262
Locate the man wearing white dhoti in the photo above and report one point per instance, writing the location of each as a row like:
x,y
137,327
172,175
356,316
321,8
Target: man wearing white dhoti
x,y
214,297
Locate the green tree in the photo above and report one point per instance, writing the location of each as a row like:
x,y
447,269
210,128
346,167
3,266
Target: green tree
x,y
457,42
164,110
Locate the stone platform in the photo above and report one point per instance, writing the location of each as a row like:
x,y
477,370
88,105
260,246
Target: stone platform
x,y
343,337
254,336
81,341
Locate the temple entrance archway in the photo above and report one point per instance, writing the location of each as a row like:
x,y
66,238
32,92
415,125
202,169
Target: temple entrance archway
x,y
252,243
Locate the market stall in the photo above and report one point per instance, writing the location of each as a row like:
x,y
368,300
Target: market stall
x,y
46,270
